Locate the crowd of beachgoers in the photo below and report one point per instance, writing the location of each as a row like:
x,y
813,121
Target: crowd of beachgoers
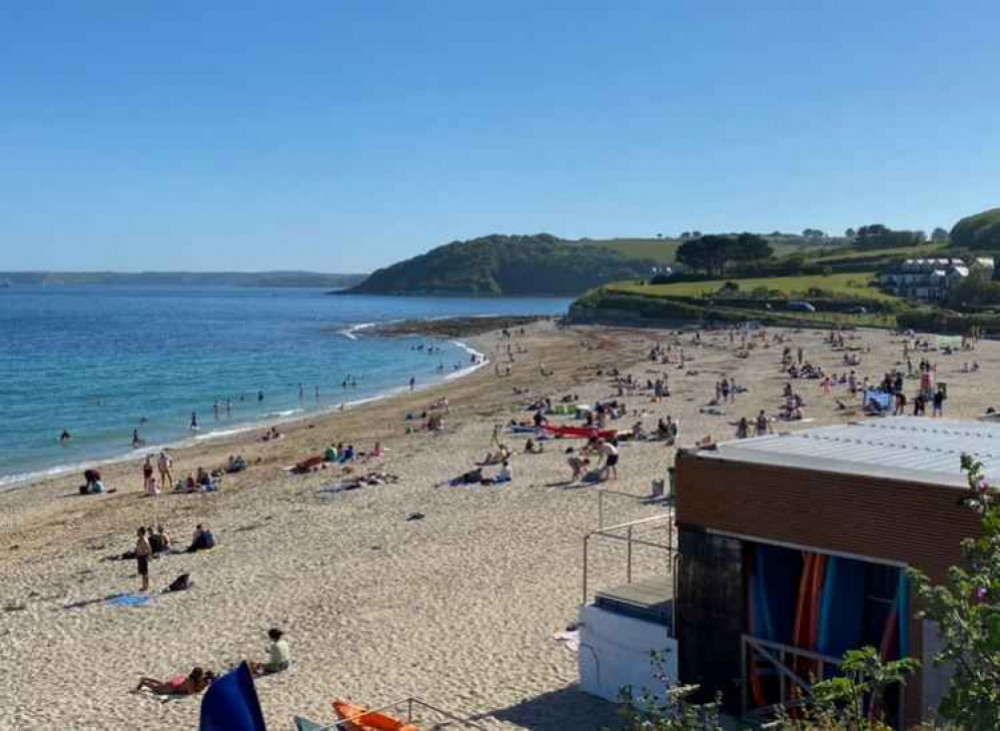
x,y
427,544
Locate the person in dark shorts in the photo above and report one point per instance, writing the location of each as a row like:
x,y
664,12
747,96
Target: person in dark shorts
x,y
142,553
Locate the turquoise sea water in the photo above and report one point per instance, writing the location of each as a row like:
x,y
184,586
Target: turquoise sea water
x,y
100,362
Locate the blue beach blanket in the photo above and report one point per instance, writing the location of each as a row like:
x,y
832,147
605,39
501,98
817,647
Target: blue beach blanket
x,y
129,600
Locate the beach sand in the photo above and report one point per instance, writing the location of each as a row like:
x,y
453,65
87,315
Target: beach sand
x,y
458,608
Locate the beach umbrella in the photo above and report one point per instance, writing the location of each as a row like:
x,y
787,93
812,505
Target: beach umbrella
x,y
230,703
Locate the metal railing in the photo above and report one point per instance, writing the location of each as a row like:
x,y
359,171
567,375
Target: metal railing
x,y
777,655
652,499
409,704
614,532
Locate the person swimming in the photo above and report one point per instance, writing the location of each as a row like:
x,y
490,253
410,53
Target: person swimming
x,y
65,437
194,420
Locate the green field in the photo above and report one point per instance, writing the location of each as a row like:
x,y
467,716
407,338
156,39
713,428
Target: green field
x,y
849,284
661,251
908,252
664,251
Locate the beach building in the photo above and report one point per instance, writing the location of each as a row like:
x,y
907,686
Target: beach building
x,y
794,548
929,279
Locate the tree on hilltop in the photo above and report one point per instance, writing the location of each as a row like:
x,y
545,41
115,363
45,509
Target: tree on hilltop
x,y
711,253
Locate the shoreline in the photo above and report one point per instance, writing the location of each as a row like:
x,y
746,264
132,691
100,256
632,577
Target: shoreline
x,y
469,584
22,480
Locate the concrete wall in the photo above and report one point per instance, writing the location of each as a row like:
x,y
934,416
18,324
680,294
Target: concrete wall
x,y
616,651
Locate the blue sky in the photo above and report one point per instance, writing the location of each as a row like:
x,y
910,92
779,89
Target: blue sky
x,y
342,136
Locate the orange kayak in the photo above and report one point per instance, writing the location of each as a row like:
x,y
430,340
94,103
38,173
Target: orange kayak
x,y
362,720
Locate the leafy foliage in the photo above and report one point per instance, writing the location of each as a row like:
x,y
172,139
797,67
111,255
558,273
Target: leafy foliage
x,y
877,236
513,265
976,289
670,710
852,700
712,253
967,609
981,231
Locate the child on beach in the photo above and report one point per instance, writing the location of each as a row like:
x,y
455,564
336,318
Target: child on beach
x,y
578,465
278,656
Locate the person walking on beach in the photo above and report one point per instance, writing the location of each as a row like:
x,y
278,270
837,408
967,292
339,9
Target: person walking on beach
x,y
164,464
142,553
413,382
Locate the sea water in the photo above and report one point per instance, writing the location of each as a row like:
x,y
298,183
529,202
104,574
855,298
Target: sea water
x,y
100,362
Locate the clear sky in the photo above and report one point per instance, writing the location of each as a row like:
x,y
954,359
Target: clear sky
x,y
342,136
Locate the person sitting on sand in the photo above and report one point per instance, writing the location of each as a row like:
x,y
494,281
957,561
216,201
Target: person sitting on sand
x,y
236,464
502,454
278,656
533,447
191,684
331,454
203,540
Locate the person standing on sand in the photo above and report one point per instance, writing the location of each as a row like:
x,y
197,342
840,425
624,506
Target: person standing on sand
x,y
413,382
164,464
147,472
142,553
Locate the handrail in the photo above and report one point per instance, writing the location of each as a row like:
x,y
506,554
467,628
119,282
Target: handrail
x,y
620,493
611,532
763,648
410,702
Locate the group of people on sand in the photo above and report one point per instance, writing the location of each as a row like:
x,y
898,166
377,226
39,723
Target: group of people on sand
x,y
279,659
203,481
151,543
605,454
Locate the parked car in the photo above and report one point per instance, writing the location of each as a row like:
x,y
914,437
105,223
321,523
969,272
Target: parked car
x,y
801,307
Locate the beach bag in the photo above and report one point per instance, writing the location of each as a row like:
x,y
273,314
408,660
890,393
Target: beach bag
x,y
181,583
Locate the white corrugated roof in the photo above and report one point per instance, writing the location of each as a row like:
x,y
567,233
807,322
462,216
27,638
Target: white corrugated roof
x,y
913,449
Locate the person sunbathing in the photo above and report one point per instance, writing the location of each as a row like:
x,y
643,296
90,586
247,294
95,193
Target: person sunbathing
x,y
191,684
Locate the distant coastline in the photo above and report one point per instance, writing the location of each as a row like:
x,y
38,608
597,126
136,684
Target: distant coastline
x,y
180,279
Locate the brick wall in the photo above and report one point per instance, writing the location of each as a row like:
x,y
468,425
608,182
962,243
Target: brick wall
x,y
916,524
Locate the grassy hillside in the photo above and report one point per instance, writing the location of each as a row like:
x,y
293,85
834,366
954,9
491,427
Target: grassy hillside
x,y
664,251
848,285
980,231
506,265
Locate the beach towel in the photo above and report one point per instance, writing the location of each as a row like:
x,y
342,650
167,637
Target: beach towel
x,y
231,704
129,600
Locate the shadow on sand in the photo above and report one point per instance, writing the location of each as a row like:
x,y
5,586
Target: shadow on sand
x,y
566,708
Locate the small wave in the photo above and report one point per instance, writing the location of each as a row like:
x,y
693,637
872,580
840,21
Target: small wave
x,y
351,333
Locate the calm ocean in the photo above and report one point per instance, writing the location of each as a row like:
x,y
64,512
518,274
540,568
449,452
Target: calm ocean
x,y
102,361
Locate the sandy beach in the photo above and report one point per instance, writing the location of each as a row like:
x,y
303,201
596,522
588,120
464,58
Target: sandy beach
x,y
459,607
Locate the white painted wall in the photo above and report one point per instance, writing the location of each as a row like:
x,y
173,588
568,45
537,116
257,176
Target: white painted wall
x,y
615,651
